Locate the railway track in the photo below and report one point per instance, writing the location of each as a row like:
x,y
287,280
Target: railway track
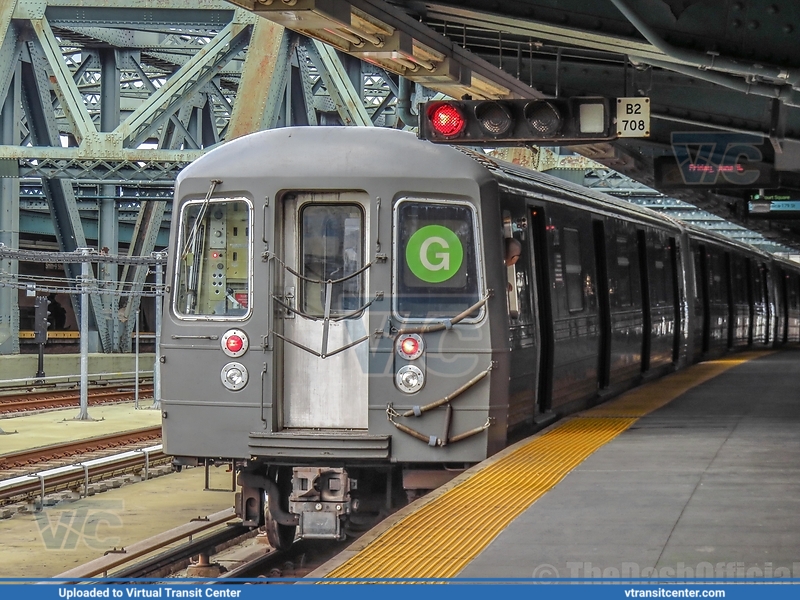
x,y
224,539
25,402
51,456
78,476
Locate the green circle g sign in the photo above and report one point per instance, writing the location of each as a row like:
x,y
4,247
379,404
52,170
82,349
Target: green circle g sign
x,y
434,253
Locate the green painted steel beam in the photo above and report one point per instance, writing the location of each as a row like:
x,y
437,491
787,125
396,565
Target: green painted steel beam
x,y
347,100
263,74
40,224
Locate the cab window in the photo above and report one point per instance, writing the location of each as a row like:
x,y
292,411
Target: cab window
x,y
436,270
212,278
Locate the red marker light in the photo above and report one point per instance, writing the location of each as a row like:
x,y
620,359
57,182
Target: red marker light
x,y
410,346
446,120
234,343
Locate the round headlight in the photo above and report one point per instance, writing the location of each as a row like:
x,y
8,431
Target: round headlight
x,y
234,343
234,376
410,346
409,379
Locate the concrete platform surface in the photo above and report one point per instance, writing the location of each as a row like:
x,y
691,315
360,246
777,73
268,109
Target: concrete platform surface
x,y
55,427
23,366
706,486
69,534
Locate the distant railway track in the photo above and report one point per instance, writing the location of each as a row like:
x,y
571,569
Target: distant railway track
x,y
78,475
25,402
44,456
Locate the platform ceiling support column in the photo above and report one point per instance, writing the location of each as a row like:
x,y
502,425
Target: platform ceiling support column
x,y
108,214
10,115
348,101
58,192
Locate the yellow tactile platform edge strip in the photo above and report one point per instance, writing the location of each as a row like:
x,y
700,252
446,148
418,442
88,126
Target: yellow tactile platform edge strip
x,y
438,539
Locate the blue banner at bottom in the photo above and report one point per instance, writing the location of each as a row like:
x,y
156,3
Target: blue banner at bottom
x,y
451,589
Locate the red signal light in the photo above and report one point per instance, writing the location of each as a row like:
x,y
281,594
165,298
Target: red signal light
x,y
446,120
234,343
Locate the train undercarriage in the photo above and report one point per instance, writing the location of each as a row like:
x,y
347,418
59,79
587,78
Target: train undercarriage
x,y
335,503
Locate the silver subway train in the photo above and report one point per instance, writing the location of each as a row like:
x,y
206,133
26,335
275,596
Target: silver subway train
x,y
355,316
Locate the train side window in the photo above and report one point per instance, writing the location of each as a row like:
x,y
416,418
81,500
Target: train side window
x,y
331,248
622,291
436,267
213,274
573,269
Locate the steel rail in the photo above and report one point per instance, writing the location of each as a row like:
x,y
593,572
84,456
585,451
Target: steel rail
x,y
83,473
207,544
102,565
102,442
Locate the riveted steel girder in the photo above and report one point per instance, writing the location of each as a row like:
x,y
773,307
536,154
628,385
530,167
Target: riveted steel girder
x,y
263,75
67,90
347,100
9,46
9,215
148,225
198,72
59,192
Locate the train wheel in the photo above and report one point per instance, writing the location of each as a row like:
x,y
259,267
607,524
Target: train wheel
x,y
280,536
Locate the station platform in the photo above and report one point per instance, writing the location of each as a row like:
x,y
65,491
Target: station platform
x,y
694,475
16,368
58,426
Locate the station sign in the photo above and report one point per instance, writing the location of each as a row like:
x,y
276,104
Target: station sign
x,y
780,204
669,173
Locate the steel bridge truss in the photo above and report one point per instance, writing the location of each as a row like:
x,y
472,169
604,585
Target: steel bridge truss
x,y
102,106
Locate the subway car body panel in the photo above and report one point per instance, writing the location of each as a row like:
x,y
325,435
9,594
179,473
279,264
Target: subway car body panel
x,y
354,312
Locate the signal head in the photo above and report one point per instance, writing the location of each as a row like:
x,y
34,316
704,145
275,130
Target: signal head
x,y
518,121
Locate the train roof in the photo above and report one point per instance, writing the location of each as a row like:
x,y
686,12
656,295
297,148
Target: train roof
x,y
512,174
333,154
350,154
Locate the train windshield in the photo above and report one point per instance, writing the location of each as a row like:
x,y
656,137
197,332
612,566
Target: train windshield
x,y
436,259
212,278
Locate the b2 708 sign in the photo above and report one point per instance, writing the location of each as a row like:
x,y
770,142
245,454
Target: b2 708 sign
x,y
633,117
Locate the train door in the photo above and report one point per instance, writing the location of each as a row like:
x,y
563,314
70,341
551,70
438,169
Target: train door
x,y
604,352
542,278
324,285
702,309
524,336
644,276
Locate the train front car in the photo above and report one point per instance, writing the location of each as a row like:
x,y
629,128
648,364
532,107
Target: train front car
x,y
332,324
